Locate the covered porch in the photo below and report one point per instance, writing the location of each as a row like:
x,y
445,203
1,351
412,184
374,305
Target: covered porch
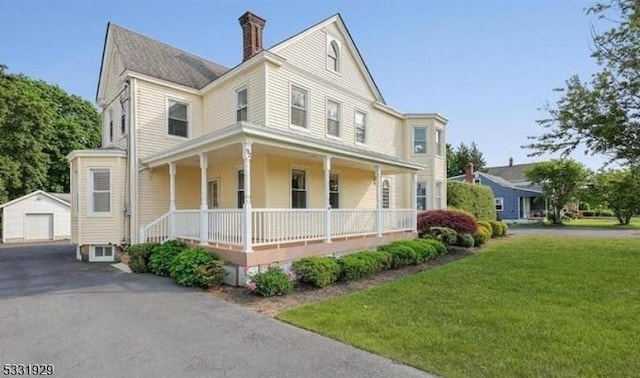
x,y
263,193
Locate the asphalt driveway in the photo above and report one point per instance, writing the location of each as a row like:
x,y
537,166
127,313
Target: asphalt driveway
x,y
91,320
575,231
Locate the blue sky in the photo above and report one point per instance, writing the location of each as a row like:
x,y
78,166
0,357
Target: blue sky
x,y
486,65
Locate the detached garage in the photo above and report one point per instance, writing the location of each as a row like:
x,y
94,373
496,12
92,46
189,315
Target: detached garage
x,y
38,216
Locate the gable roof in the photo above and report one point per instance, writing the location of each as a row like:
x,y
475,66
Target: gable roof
x,y
53,196
342,27
513,173
148,56
502,182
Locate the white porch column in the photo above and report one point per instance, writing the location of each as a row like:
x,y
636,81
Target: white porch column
x,y
172,198
414,200
327,198
378,200
246,225
204,226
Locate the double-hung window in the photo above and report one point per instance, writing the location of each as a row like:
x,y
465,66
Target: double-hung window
x,y
385,194
213,194
419,140
439,142
299,103
333,118
100,181
333,56
499,203
110,126
361,127
438,195
241,105
298,189
240,191
421,195
334,191
178,119
123,122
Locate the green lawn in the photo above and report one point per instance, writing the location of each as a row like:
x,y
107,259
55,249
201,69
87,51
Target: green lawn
x,y
611,222
523,307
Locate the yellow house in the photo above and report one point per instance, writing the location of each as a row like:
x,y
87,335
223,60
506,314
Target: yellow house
x,y
293,152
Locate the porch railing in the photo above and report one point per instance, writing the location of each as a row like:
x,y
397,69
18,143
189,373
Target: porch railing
x,y
225,226
276,226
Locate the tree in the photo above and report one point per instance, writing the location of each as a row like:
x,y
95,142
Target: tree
x,y
458,159
40,124
619,191
561,182
602,115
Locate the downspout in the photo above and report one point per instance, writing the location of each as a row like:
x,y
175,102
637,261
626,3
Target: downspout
x,y
133,163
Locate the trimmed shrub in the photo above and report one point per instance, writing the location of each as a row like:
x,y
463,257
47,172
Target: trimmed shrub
x,y
588,213
401,255
465,240
318,271
480,237
139,257
271,282
505,228
358,265
457,220
583,206
439,247
162,257
496,229
476,199
486,228
184,267
444,234
606,213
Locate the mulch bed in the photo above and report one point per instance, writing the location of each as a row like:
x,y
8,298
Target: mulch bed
x,y
306,294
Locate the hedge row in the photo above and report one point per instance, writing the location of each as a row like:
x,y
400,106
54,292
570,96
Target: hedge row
x,y
324,271
476,199
193,267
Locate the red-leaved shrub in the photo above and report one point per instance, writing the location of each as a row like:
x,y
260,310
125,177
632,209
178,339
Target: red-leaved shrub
x,y
460,221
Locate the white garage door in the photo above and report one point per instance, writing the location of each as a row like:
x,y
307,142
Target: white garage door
x,y
39,227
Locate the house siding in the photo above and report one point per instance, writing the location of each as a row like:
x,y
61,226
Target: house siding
x,y
107,229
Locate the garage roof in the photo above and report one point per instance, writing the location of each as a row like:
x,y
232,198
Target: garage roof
x,y
64,198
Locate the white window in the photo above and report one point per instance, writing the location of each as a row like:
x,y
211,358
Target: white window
x,y
333,56
213,194
499,203
334,191
101,253
385,194
123,122
100,189
240,191
421,195
360,127
298,189
439,204
110,126
241,105
178,119
333,118
419,140
299,103
439,142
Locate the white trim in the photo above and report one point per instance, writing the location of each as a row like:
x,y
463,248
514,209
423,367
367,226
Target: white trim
x,y
236,90
52,226
306,104
339,192
438,117
32,194
366,127
262,57
501,201
425,196
154,80
90,211
442,205
439,152
329,40
340,119
413,140
307,184
182,101
210,181
95,153
236,184
110,131
92,254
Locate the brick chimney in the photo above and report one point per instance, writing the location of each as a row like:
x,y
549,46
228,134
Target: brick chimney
x,y
468,173
252,26
511,162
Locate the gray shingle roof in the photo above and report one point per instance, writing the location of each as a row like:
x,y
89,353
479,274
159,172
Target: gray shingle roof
x,y
150,57
66,197
514,173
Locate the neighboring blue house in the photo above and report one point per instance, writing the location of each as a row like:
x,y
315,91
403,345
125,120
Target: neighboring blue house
x,y
516,198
